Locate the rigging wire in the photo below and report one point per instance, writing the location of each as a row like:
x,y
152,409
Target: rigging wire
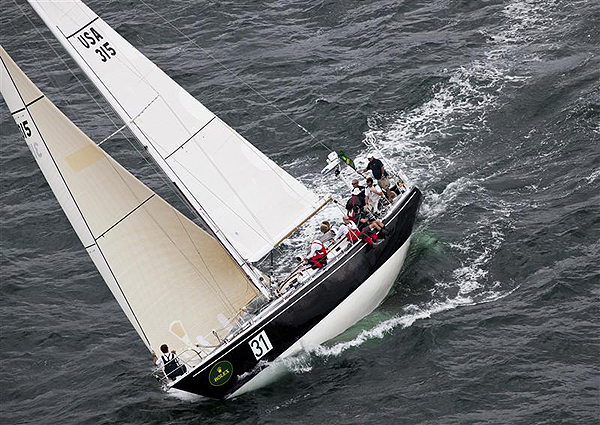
x,y
237,76
124,126
133,144
153,165
169,23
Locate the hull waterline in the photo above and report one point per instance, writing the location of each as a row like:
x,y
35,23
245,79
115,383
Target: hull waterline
x,y
345,292
359,304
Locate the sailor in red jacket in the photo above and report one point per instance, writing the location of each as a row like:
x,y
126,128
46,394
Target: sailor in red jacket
x,y
318,254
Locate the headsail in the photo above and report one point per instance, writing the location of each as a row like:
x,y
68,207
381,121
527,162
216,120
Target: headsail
x,y
174,282
248,200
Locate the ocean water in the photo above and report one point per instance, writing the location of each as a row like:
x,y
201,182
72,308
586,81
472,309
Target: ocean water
x,y
491,107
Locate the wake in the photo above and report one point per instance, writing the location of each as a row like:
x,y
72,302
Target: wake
x,y
430,142
412,313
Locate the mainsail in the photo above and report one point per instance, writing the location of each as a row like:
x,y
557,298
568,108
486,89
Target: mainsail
x,y
247,199
175,283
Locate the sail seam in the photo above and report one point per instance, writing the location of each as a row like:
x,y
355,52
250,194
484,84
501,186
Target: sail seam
x,y
74,201
33,101
316,283
29,104
124,217
17,111
215,194
86,25
193,196
191,137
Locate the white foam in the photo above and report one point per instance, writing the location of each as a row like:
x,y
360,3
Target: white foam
x,y
410,315
416,141
435,204
592,177
185,396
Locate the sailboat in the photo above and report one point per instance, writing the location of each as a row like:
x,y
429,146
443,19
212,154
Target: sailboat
x,y
196,289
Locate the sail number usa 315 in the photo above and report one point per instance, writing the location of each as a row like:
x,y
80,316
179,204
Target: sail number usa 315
x,y
93,39
260,345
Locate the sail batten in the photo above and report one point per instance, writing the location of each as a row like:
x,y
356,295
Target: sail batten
x,y
160,266
249,200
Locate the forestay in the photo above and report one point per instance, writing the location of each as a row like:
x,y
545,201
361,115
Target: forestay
x,y
175,282
238,190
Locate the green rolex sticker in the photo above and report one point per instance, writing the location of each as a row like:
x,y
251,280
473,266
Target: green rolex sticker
x,y
220,373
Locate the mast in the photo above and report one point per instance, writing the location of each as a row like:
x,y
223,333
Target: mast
x,y
248,201
144,140
175,282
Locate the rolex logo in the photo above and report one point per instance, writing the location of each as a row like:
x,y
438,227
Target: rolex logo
x,y
220,373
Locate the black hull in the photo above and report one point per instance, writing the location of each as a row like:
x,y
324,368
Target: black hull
x,y
300,313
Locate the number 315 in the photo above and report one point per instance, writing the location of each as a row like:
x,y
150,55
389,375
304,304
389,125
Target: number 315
x,y
105,51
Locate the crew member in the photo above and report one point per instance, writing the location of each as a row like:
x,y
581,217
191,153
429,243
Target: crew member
x,y
374,194
379,173
169,362
318,254
355,185
327,234
355,200
348,229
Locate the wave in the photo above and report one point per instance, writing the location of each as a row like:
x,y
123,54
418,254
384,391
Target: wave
x,y
412,313
416,140
430,141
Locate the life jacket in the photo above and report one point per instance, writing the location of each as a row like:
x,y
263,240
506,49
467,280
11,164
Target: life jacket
x,y
319,259
171,366
355,200
366,235
351,215
352,234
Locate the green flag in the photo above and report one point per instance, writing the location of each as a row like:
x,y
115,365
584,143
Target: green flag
x,y
348,161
